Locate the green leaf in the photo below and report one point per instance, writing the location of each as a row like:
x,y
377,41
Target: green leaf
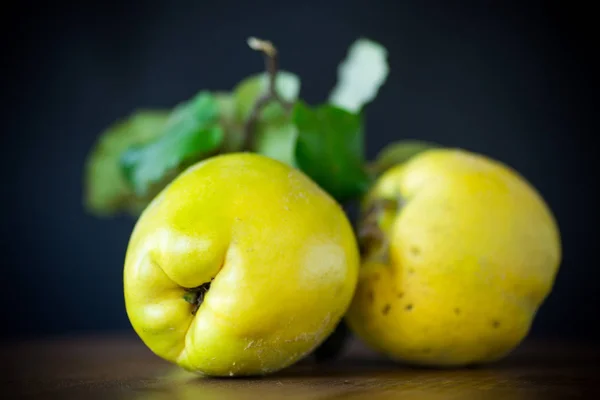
x,y
399,152
274,133
276,138
330,149
234,130
360,75
191,133
249,90
106,190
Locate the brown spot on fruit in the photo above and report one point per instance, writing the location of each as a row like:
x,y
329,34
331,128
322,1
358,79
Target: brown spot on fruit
x,y
370,296
408,307
415,251
400,295
386,309
496,323
457,311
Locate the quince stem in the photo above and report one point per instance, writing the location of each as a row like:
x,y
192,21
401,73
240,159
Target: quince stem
x,y
271,65
373,240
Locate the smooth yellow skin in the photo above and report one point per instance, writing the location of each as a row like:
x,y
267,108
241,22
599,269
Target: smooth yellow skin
x,y
473,253
282,254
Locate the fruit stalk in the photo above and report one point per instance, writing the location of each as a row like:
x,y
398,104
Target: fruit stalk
x,y
271,66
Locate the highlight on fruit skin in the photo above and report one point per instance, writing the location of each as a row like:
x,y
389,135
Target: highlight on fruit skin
x,y
241,266
459,251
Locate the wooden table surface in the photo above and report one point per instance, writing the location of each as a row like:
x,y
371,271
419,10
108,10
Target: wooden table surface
x,y
122,368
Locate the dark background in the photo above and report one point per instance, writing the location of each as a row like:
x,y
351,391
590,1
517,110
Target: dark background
x,y
512,80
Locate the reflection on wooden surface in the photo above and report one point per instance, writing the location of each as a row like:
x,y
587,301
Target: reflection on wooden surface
x,y
122,368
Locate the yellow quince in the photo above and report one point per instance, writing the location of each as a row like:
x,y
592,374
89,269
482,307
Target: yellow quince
x,y
241,266
460,251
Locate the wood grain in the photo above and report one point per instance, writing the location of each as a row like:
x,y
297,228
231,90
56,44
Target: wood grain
x,y
122,368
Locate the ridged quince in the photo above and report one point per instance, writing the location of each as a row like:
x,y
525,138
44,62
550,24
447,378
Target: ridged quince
x,y
460,251
241,266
